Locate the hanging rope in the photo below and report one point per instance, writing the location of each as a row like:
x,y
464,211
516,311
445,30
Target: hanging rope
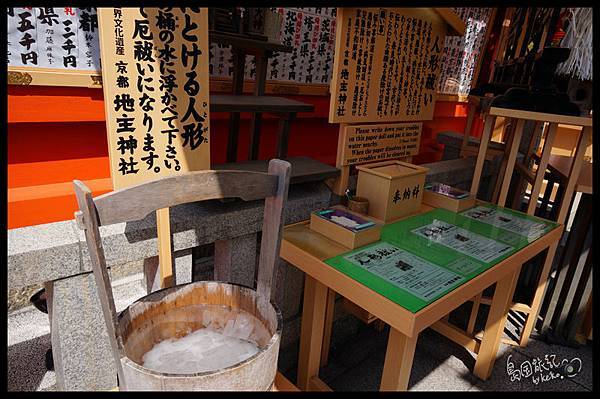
x,y
578,38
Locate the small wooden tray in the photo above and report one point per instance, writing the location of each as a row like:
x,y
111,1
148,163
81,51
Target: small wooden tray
x,y
438,200
342,235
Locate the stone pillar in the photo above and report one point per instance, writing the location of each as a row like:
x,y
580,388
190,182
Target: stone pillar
x,y
288,291
82,353
182,269
235,260
151,274
182,266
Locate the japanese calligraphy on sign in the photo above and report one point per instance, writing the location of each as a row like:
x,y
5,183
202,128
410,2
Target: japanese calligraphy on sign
x,y
369,143
53,37
461,53
309,31
387,62
155,80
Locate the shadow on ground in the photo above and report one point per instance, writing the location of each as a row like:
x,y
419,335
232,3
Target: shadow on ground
x,y
26,364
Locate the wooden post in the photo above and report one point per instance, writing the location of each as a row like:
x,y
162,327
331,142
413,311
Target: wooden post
x,y
311,331
584,139
510,162
259,90
541,171
538,295
329,312
495,325
483,145
105,293
471,110
398,361
239,62
165,255
474,313
538,129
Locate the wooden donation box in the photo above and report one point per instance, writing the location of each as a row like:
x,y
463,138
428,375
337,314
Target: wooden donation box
x,y
393,188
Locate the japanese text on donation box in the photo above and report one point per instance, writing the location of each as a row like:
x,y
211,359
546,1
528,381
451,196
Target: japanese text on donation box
x,y
155,74
367,143
386,66
401,195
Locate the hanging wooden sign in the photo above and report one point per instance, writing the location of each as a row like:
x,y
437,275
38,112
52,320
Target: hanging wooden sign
x,y
155,82
386,65
372,143
156,91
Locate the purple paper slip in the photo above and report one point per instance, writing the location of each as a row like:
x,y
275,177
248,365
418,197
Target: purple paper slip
x,y
345,219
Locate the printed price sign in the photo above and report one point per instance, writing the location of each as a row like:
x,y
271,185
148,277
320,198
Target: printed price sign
x,y
522,225
53,37
464,241
407,271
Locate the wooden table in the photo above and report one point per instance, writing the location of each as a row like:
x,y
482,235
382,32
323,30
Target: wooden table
x,y
307,250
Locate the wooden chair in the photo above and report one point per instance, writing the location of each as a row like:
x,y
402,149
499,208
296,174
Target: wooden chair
x,y
535,177
134,203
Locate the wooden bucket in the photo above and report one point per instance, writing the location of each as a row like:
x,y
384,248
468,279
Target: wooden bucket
x,y
177,311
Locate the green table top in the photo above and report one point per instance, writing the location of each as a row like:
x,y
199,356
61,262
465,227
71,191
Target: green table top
x,y
422,258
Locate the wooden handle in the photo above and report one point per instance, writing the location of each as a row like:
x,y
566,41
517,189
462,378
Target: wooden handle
x,y
94,244
271,231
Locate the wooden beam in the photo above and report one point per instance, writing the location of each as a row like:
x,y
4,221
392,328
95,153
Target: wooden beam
x,y
525,172
282,384
165,256
329,312
483,145
541,116
456,335
311,331
516,306
585,138
510,161
494,326
316,384
541,170
474,313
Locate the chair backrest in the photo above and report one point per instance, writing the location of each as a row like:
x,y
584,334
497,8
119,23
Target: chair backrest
x,y
135,202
